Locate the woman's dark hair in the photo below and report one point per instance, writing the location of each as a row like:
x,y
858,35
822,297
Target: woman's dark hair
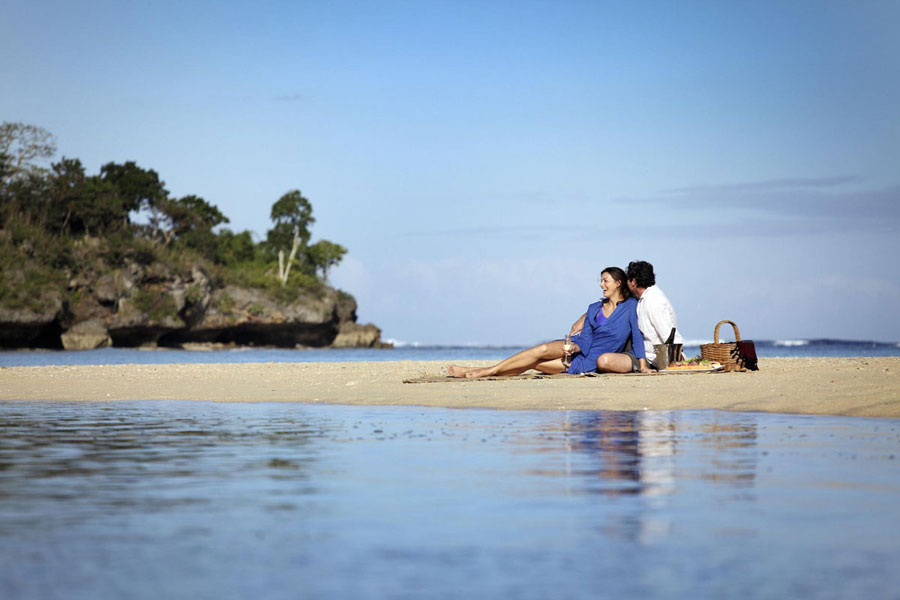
x,y
619,275
642,273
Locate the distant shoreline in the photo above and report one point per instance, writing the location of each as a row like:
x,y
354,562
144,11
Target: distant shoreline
x,y
861,386
441,354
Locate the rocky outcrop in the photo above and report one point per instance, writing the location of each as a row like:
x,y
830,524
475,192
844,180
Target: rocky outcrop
x,y
354,335
87,335
245,316
139,305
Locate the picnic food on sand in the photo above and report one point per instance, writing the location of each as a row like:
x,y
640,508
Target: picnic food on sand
x,y
695,364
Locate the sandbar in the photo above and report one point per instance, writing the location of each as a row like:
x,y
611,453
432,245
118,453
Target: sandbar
x,y
861,386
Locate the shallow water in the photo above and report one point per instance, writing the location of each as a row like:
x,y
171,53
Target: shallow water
x,y
207,500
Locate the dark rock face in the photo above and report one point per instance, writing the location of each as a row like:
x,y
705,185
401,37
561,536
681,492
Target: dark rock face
x,y
27,328
151,306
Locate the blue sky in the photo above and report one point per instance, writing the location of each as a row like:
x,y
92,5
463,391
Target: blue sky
x,y
483,161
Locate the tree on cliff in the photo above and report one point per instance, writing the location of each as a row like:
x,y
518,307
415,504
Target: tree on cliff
x,y
22,178
138,189
235,249
45,209
21,146
324,255
82,204
191,220
188,220
292,216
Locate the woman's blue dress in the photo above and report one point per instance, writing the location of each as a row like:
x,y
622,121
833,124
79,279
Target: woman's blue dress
x,y
610,335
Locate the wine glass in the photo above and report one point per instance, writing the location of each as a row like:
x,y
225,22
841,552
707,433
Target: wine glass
x,y
567,349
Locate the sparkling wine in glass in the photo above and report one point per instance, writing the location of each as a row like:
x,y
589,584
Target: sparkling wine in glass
x,y
567,349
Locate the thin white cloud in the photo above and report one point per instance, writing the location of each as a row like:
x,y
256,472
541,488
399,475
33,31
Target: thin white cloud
x,y
795,183
798,205
488,230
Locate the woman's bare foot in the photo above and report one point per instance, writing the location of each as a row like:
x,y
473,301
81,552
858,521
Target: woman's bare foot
x,y
470,372
478,373
456,371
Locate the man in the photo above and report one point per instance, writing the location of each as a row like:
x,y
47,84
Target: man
x,y
656,318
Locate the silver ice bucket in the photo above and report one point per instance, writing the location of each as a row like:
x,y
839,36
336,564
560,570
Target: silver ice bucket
x,y
666,354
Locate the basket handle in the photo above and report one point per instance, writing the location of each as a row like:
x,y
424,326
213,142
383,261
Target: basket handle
x,y
737,334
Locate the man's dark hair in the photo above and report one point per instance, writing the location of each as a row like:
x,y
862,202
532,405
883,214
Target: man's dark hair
x,y
642,273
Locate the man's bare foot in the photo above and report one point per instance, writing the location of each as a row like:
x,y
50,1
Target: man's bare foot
x,y
456,371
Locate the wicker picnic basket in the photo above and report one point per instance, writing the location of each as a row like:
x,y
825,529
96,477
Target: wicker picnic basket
x,y
725,353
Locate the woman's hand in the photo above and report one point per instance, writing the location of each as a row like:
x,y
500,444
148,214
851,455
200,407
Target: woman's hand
x,y
569,350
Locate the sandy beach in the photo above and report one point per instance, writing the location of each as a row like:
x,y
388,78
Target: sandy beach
x,y
863,386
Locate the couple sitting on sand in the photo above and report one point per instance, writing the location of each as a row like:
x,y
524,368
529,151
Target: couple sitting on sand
x,y
615,335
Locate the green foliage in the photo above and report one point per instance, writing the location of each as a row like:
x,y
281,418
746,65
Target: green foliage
x,y
24,198
80,204
261,275
116,248
191,220
61,223
291,215
137,188
298,285
324,255
29,288
194,295
301,280
21,148
26,242
6,168
156,304
235,248
30,273
224,303
143,252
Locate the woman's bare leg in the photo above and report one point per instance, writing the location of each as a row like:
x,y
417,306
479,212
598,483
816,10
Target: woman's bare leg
x,y
552,367
614,362
516,364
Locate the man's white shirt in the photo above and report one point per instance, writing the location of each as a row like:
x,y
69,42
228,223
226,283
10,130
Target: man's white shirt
x,y
656,318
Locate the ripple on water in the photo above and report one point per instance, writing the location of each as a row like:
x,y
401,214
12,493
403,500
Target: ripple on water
x,y
137,498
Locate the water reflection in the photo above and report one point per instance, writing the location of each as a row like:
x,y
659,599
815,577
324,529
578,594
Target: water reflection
x,y
651,456
125,459
611,439
236,500
607,453
637,452
731,446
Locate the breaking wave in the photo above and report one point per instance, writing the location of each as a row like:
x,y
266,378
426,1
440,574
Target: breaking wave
x,y
790,343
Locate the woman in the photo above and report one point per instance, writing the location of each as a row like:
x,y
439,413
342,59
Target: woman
x,y
604,328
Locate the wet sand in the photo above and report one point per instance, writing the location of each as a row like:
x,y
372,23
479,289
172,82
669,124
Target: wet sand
x,y
827,386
